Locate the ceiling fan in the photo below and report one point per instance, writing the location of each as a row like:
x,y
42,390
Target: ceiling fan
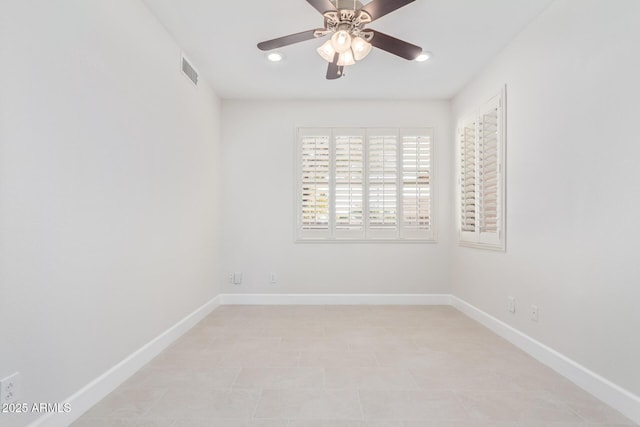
x,y
350,41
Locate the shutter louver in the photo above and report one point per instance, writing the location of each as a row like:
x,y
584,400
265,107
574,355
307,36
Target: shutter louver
x,y
349,175
416,177
315,180
488,159
468,177
383,176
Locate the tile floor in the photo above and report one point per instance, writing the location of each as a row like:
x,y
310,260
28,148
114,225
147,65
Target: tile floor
x,y
346,366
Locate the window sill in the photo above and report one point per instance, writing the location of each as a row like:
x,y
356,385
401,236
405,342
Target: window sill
x,y
487,246
428,241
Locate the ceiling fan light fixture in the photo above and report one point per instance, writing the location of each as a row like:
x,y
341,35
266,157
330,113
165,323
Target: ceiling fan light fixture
x,y
341,41
361,48
345,22
346,58
326,51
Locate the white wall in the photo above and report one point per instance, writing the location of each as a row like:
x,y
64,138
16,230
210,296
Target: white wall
x,y
258,203
572,187
108,190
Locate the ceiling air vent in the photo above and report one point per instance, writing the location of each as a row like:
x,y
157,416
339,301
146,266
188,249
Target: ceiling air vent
x,y
189,71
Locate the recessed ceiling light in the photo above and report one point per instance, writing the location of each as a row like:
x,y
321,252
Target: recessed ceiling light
x,y
423,56
275,57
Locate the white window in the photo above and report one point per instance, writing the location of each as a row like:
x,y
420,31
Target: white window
x,y
480,155
364,184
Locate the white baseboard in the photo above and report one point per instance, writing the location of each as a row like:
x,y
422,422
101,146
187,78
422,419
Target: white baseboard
x,y
98,389
613,395
335,299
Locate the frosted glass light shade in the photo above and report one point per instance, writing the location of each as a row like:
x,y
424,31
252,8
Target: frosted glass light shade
x,y
326,51
341,41
360,47
346,58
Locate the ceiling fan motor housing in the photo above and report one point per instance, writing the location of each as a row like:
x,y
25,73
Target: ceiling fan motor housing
x,y
352,21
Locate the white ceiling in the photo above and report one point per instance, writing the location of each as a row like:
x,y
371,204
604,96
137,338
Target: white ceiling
x,y
220,37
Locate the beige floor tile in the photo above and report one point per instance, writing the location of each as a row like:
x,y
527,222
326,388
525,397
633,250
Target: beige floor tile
x,y
340,423
382,343
462,424
576,424
453,374
369,378
346,366
396,357
280,378
299,330
325,359
518,407
127,403
309,404
178,358
588,407
88,422
257,359
314,344
206,404
154,423
347,331
413,405
247,344
228,423
174,378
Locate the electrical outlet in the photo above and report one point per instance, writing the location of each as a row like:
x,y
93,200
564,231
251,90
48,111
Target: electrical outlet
x,y
10,389
237,278
273,279
534,313
511,304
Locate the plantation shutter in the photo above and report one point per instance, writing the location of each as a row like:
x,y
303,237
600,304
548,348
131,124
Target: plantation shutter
x,y
467,179
363,184
315,180
488,159
349,183
481,179
416,183
383,183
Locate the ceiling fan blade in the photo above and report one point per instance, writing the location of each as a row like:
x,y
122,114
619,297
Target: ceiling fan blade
x,y
395,46
290,39
334,71
322,6
378,8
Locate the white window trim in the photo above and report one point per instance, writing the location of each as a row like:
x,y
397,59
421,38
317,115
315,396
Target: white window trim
x,y
401,235
476,239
